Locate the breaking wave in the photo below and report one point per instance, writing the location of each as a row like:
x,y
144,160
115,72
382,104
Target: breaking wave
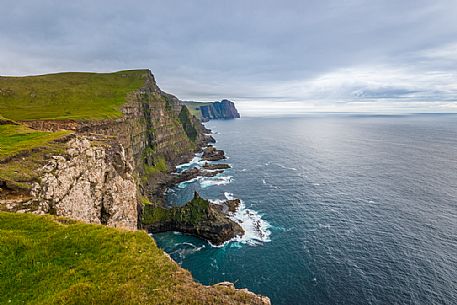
x,y
206,182
256,229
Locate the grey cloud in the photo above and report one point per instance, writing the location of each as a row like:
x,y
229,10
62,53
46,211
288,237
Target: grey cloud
x,y
247,50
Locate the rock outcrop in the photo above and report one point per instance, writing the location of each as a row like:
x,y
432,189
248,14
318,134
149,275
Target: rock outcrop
x,y
224,109
192,174
198,217
216,166
211,153
94,184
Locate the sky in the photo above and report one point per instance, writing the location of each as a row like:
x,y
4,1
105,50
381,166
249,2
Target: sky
x,y
269,57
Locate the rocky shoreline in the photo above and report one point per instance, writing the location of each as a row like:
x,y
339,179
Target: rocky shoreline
x,y
114,171
198,217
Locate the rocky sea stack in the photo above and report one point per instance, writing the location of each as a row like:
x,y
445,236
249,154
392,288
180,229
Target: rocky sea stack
x,y
198,217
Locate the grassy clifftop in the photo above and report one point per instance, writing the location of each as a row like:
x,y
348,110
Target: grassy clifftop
x,y
17,138
23,151
49,260
194,108
72,95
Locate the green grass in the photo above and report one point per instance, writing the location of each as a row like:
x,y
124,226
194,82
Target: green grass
x,y
19,173
28,150
194,108
15,139
192,212
186,122
72,95
49,260
160,166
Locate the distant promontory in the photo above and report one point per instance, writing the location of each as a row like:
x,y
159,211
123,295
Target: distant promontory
x,y
224,110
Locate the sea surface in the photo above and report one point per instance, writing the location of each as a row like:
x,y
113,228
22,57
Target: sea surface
x,y
338,209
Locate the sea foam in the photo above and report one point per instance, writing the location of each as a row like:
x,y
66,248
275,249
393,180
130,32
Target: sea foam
x,y
256,229
216,180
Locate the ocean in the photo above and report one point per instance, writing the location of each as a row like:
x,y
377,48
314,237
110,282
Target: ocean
x,y
338,209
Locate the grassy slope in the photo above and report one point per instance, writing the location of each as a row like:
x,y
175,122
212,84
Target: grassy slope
x,y
44,261
193,108
17,138
33,145
73,95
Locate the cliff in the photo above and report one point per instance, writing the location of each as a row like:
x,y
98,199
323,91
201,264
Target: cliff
x,y
224,109
102,173
97,148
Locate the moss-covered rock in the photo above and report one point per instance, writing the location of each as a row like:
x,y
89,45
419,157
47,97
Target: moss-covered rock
x,y
198,217
186,122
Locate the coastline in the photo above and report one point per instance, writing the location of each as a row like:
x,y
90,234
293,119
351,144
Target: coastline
x,y
256,230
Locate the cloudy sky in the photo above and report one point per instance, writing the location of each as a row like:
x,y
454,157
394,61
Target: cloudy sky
x,y
267,56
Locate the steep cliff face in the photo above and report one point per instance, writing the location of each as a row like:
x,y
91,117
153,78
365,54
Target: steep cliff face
x,y
91,183
111,166
224,109
105,171
107,168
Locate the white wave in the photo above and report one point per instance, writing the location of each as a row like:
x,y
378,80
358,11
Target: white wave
x,y
193,246
229,196
211,170
184,249
184,184
216,201
286,167
221,245
243,170
263,181
196,161
216,180
256,229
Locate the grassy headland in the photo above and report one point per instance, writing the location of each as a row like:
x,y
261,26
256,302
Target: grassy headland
x,y
194,108
15,139
72,95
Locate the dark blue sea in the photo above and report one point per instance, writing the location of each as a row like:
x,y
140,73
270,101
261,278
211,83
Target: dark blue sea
x,y
338,209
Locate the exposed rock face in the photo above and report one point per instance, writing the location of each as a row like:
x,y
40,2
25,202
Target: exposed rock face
x,y
216,166
194,173
153,135
198,217
262,300
210,153
233,204
229,206
93,184
224,109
